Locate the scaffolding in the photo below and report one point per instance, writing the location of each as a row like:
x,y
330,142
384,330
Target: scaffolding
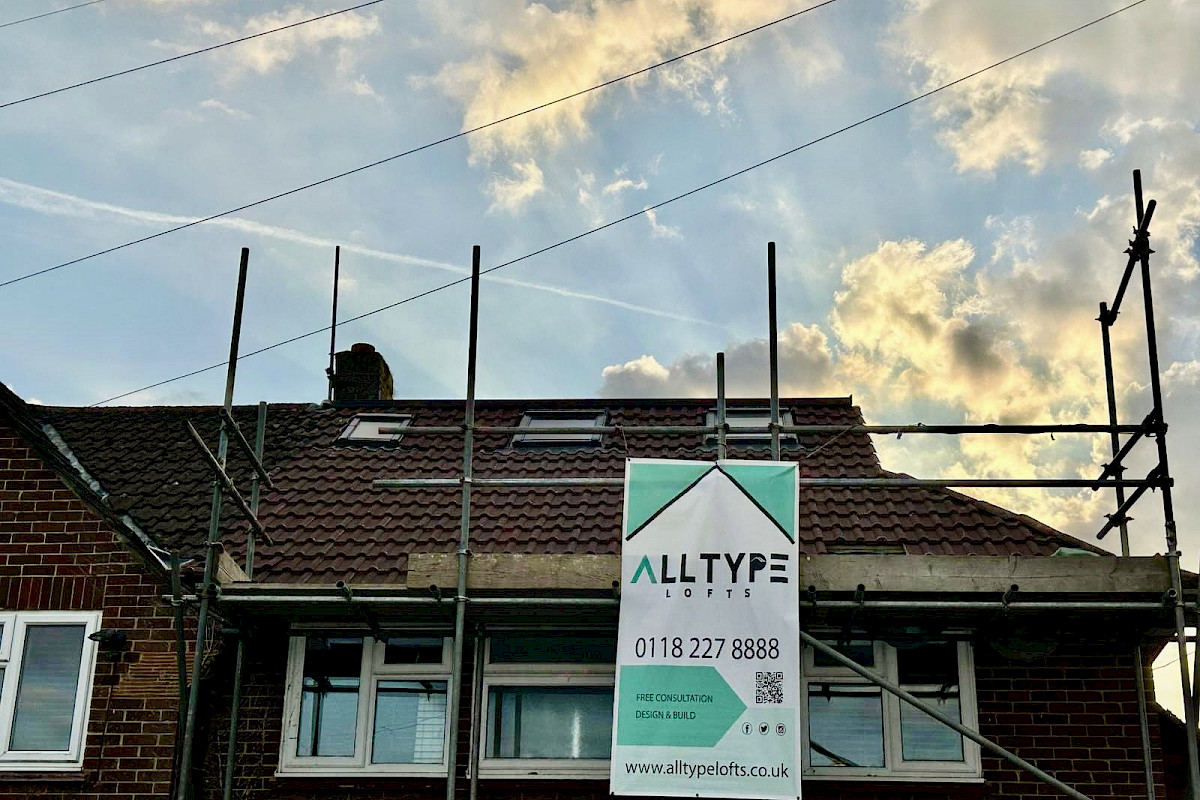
x,y
1152,426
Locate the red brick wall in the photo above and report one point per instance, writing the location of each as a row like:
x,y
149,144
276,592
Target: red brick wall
x,y
58,554
1073,714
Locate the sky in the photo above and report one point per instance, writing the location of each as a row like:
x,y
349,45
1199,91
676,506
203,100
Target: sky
x,y
942,263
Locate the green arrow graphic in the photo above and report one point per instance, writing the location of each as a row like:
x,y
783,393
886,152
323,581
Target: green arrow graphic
x,y
668,706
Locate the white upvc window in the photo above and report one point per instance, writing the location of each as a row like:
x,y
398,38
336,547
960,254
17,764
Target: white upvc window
x,y
354,705
47,663
857,730
548,701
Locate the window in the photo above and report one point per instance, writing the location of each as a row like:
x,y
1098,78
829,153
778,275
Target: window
x,y
751,418
357,705
46,667
372,427
855,729
548,705
583,420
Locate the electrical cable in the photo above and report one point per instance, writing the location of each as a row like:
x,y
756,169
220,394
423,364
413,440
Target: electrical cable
x,y
185,55
628,217
48,13
414,150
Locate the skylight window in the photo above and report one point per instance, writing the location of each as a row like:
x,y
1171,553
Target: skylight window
x,y
375,427
537,421
742,418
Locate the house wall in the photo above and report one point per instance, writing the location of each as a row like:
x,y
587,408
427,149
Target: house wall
x,y
56,553
1073,713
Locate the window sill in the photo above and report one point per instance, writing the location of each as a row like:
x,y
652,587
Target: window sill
x,y
894,778
564,773
438,771
40,774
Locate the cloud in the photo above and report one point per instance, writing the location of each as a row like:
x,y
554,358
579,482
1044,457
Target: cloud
x,y
510,194
529,53
625,184
658,230
267,54
1046,106
1093,159
46,201
212,104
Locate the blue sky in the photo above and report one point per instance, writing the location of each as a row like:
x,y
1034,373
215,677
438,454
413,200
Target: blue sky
x,y
941,264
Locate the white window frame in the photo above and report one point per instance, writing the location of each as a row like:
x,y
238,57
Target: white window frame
x,y
374,422
734,416
549,675
587,419
372,671
895,767
12,645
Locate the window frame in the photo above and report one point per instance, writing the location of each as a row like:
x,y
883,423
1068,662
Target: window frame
x,y
398,420
543,674
12,647
371,672
895,766
734,435
586,438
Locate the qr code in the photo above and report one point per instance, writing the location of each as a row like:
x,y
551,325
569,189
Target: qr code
x,y
768,687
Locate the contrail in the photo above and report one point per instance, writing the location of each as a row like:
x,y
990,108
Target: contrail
x,y
50,202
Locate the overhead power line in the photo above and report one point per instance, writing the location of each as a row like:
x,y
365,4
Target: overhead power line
x,y
48,13
414,150
635,214
182,56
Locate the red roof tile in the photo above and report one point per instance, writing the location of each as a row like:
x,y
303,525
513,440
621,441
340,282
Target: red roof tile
x,y
328,523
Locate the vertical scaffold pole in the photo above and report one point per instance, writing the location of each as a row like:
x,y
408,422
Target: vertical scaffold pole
x,y
214,530
260,434
1142,245
332,369
460,596
721,444
773,340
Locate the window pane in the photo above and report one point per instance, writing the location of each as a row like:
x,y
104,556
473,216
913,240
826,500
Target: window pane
x,y
549,722
45,703
534,421
926,739
931,664
413,650
410,722
329,698
554,649
845,725
860,652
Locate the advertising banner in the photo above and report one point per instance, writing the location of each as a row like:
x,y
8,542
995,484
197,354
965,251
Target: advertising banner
x,y
708,654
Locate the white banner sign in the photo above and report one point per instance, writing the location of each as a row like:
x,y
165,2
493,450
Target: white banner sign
x,y
708,655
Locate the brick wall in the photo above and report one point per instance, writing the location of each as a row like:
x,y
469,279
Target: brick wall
x,y
1073,714
57,554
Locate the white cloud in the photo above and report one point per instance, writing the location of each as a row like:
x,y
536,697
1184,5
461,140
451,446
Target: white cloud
x,y
1047,105
625,184
659,230
1093,159
528,53
511,192
212,104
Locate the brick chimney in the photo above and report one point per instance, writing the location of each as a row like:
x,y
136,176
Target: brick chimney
x,y
361,374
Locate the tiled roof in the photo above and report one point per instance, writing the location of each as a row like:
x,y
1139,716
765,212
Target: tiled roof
x,y
328,523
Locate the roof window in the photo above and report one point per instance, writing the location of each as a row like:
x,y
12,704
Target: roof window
x,y
742,418
585,421
375,428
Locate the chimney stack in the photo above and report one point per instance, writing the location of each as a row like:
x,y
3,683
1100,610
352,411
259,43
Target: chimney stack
x,y
361,374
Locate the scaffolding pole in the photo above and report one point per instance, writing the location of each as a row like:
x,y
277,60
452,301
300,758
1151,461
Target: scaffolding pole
x,y
773,340
183,783
260,433
460,594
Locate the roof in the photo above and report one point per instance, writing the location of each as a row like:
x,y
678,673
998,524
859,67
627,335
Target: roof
x,y
328,523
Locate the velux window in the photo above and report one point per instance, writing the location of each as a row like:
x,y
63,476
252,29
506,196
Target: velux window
x,y
739,419
381,428
855,729
46,667
535,423
549,702
354,704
